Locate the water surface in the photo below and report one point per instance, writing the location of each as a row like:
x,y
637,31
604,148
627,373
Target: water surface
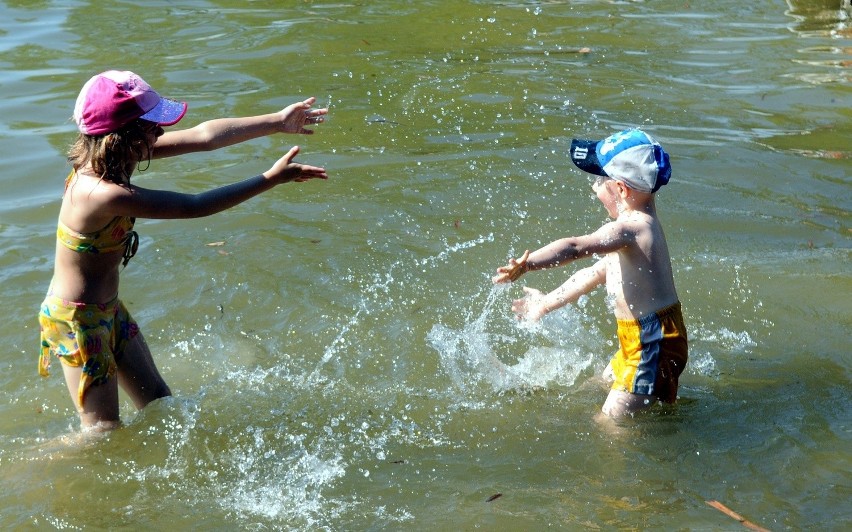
x,y
340,359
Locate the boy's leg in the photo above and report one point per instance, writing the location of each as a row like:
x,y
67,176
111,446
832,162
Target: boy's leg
x,y
620,403
138,374
100,406
608,374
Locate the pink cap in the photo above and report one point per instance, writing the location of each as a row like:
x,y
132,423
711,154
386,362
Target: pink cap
x,y
113,99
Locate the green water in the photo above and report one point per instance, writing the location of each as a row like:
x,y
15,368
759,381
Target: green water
x,y
343,362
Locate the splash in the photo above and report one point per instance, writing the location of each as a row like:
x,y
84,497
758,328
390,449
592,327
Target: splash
x,y
472,356
289,487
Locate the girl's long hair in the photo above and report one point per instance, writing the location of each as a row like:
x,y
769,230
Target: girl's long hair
x,y
112,154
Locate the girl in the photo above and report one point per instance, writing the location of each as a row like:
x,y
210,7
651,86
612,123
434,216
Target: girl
x,y
83,323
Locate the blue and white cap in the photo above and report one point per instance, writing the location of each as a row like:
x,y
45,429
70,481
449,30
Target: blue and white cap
x,y
630,156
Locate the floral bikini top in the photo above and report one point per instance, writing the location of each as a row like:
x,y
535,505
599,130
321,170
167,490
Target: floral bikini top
x,y
117,235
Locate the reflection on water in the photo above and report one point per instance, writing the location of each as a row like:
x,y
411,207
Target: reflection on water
x,y
341,360
818,20
825,18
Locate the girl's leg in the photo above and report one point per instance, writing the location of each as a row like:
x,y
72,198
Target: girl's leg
x,y
100,407
138,374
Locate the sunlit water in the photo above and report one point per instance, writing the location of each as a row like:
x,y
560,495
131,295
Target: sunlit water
x,y
339,357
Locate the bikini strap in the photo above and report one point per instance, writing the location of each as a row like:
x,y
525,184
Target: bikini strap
x,y
131,245
68,180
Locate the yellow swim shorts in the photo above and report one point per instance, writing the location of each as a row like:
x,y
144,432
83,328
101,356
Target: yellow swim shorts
x,y
653,353
90,335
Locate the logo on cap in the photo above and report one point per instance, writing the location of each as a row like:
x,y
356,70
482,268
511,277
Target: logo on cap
x,y
630,156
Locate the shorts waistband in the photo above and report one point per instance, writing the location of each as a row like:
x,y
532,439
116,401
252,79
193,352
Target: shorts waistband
x,y
654,316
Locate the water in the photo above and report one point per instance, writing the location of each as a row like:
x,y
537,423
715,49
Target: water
x,y
342,362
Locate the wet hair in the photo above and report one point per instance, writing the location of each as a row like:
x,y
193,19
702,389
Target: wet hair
x,y
111,153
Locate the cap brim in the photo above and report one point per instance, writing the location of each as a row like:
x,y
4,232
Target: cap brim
x,y
584,156
166,113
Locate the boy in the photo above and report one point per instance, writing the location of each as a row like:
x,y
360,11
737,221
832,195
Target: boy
x,y
635,265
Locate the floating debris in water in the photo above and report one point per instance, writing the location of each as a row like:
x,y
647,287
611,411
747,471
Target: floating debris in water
x,y
734,515
380,120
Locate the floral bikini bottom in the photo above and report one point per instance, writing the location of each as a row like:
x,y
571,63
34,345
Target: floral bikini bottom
x,y
91,335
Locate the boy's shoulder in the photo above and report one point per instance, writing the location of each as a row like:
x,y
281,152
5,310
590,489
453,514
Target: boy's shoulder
x,y
636,220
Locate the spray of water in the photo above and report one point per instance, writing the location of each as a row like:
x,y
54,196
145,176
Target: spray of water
x,y
473,355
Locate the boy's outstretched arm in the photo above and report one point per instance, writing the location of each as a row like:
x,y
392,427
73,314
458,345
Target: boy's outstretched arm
x,y
535,304
610,237
512,271
222,132
556,253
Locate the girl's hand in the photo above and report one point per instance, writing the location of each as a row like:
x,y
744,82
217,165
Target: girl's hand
x,y
295,117
286,170
513,271
531,307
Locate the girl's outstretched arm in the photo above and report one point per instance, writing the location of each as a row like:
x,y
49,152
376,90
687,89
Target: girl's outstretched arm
x,y
146,203
222,132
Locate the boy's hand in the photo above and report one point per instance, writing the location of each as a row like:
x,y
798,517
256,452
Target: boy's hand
x,y
286,170
531,307
513,271
295,117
